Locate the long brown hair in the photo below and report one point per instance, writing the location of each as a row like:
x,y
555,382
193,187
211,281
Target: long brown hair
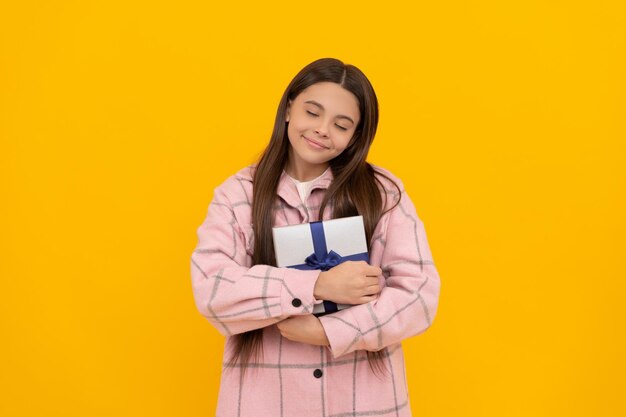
x,y
353,191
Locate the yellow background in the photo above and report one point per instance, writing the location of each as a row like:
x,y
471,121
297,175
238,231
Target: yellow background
x,y
505,121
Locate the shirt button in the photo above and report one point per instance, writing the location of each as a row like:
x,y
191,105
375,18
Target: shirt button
x,y
296,302
318,373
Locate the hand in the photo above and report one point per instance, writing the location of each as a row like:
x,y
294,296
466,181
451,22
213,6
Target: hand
x,y
348,283
304,329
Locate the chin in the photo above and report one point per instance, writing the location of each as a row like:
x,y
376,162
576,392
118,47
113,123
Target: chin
x,y
317,162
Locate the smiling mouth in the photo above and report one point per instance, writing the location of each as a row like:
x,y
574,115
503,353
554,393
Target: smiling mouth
x,y
314,143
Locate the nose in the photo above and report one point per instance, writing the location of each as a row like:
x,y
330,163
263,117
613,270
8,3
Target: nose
x,y
322,129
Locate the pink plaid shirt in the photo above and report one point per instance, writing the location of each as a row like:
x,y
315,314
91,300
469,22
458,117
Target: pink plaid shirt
x,y
297,379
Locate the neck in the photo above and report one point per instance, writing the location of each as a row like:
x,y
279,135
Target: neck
x,y
303,171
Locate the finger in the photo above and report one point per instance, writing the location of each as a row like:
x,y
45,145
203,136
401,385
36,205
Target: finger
x,y
361,266
367,299
367,281
373,271
372,289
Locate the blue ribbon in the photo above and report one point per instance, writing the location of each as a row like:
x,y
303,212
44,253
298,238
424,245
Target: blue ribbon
x,y
323,260
331,260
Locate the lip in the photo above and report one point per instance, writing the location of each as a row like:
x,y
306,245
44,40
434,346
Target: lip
x,y
314,143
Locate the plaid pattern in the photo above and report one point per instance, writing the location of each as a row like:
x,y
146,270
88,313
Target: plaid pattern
x,y
296,379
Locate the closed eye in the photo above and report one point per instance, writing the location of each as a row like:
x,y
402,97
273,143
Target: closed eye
x,y
316,115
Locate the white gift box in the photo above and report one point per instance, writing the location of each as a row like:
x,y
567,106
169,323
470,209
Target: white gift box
x,y
321,245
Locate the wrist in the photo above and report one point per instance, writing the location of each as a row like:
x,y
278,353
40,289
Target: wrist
x,y
323,337
318,289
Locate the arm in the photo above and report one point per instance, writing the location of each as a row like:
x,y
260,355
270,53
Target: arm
x,y
347,283
407,304
233,296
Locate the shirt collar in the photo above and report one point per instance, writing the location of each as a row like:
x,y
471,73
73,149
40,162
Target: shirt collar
x,y
288,191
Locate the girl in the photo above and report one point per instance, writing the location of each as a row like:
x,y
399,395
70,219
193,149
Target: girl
x,y
279,359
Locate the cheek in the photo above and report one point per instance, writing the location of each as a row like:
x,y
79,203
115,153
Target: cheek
x,y
291,133
296,125
342,144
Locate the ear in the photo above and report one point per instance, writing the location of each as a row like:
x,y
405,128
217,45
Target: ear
x,y
287,111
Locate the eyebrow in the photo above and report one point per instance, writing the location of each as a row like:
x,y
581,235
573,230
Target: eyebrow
x,y
341,116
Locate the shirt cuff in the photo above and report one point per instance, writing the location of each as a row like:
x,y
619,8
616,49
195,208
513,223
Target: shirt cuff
x,y
342,334
297,291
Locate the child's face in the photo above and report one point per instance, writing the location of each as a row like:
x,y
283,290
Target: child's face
x,y
322,120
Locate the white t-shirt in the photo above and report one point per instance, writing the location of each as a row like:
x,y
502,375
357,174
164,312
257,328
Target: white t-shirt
x,y
304,186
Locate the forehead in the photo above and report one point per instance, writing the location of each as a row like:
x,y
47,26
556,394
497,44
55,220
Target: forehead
x,y
333,97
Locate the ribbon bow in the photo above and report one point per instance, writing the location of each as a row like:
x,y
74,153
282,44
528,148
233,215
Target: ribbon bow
x,y
330,260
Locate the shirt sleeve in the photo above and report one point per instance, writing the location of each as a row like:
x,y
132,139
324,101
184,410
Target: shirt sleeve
x,y
232,295
407,303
